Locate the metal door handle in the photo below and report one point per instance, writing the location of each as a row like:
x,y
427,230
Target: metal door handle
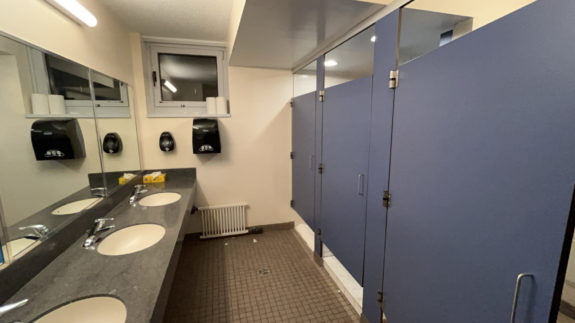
x,y
360,184
516,293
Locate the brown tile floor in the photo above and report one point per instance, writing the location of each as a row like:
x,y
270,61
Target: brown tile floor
x,y
237,280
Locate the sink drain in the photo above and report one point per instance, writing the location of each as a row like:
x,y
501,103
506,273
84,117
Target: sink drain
x,y
263,271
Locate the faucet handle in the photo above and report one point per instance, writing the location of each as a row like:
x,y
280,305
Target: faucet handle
x,y
39,229
7,308
102,220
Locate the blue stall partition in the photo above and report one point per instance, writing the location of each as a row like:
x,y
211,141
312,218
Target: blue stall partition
x,y
379,156
482,172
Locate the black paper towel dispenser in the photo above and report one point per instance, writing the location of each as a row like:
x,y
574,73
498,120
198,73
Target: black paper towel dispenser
x,y
112,143
206,136
57,139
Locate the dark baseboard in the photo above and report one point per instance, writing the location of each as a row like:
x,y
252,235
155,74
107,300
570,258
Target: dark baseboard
x,y
567,309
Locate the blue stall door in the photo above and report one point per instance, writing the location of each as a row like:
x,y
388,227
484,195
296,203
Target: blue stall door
x,y
346,115
303,146
482,172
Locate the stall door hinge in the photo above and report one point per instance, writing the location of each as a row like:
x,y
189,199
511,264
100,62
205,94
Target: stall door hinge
x,y
291,103
393,79
318,232
386,199
292,203
291,155
321,96
320,168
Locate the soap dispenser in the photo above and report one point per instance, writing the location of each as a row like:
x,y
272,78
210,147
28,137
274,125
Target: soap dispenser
x,y
112,143
167,142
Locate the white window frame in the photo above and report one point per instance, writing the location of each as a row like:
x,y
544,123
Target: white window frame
x,y
153,46
79,108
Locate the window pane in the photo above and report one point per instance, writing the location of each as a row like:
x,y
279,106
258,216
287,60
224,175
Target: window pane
x,y
188,77
351,60
304,80
106,88
429,24
68,79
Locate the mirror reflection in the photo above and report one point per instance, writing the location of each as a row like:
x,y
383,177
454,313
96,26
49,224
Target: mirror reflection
x,y
116,130
64,126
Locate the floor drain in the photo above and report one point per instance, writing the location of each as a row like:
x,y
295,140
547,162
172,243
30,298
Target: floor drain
x,y
263,271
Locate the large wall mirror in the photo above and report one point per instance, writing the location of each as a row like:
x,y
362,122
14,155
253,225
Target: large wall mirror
x,y
69,136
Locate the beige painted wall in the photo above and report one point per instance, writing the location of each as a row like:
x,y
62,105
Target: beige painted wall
x,y
105,48
254,166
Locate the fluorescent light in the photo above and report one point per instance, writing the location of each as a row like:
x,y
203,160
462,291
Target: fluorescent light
x,y
170,86
76,11
330,63
373,38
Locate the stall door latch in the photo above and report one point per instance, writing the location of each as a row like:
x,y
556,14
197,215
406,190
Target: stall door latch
x,y
386,199
321,95
320,169
393,79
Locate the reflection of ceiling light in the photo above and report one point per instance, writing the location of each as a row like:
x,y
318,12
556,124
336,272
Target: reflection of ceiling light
x,y
373,38
305,76
170,86
330,63
76,11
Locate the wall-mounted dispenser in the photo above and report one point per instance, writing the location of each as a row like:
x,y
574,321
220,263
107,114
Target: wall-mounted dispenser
x,y
57,139
206,136
167,142
112,143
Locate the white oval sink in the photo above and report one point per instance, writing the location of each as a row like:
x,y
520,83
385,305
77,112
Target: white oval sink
x,y
75,207
18,245
89,310
131,239
160,199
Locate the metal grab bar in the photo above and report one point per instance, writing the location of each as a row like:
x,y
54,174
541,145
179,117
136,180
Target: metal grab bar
x,y
516,294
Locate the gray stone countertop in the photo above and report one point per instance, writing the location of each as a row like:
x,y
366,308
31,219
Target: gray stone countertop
x,y
136,278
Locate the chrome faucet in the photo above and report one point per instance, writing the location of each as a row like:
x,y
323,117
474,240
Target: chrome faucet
x,y
138,189
94,236
98,191
39,230
7,308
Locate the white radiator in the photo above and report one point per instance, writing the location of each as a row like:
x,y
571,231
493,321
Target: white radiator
x,y
223,220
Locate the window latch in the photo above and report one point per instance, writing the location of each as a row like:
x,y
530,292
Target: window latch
x,y
154,78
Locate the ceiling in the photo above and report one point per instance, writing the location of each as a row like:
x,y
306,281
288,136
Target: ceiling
x,y
279,33
197,19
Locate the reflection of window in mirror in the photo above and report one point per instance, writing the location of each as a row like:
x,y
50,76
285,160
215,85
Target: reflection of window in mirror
x,y
67,79
57,76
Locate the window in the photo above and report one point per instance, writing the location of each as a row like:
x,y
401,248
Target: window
x,y
182,77
58,76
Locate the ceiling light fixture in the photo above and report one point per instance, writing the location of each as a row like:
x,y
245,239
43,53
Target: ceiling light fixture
x,y
373,38
330,63
76,11
170,86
